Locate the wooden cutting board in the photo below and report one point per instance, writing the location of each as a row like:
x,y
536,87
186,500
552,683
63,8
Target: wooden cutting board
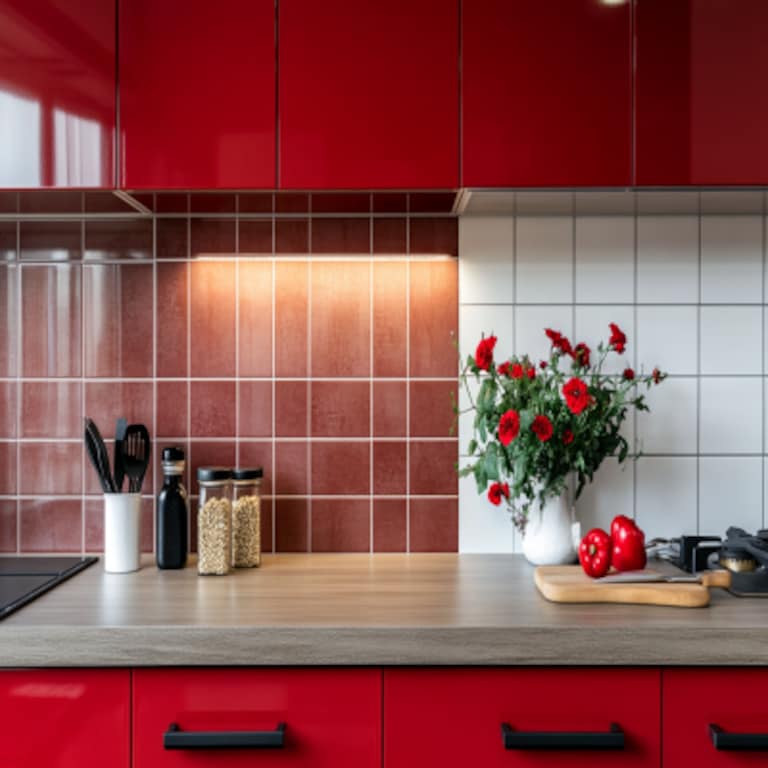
x,y
569,584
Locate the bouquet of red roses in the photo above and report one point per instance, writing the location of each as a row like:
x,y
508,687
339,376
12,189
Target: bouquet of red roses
x,y
535,424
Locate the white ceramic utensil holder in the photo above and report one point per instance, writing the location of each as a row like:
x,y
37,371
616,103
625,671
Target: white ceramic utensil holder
x,y
122,532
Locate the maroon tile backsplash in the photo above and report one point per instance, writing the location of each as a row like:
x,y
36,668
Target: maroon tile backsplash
x,y
311,334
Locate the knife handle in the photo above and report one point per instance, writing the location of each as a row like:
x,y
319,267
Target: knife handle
x,y
719,578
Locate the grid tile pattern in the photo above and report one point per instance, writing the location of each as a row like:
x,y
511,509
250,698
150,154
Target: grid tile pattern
x,y
249,329
689,289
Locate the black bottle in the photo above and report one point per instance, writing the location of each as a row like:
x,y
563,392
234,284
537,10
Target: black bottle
x,y
172,512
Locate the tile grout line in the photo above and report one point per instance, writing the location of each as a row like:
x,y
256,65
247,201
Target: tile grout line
x,y
310,275
273,315
408,375
636,320
82,381
698,368
192,513
762,463
19,358
155,329
237,331
371,282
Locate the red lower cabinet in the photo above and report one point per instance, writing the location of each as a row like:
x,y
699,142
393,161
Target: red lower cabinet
x,y
522,717
65,718
186,718
715,717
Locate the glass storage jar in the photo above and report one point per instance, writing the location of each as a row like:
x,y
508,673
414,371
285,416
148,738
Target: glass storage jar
x,y
214,521
246,517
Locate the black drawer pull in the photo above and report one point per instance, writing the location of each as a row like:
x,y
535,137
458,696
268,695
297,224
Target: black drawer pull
x,y
737,741
610,739
175,738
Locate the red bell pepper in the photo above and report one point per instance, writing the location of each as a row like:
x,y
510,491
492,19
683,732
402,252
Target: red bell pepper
x,y
595,553
628,550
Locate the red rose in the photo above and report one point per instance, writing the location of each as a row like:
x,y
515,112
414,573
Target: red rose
x,y
542,428
657,375
576,395
543,364
484,353
509,426
581,354
503,369
517,371
496,491
567,437
628,374
531,373
618,340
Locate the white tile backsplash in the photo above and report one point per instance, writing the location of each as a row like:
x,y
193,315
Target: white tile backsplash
x,y
731,340
486,268
685,279
605,259
667,338
731,415
731,487
667,259
544,259
732,259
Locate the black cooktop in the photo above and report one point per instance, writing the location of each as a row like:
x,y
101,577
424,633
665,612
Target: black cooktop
x,y
24,578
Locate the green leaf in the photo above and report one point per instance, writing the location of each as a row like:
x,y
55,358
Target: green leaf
x,y
472,447
480,477
492,462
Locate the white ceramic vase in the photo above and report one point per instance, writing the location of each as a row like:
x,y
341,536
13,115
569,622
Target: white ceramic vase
x,y
122,532
550,533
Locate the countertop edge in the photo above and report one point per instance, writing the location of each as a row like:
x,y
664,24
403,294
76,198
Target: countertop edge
x,y
189,646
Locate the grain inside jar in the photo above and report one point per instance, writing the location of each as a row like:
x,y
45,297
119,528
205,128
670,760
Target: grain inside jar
x,y
246,517
214,521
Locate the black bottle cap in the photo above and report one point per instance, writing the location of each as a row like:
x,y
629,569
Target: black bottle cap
x,y
247,473
173,454
207,474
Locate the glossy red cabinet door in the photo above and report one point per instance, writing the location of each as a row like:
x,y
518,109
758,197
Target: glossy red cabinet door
x,y
197,93
694,699
368,94
702,69
61,718
332,717
546,93
452,718
57,93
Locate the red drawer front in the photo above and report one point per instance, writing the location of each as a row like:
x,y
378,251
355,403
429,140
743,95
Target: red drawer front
x,y
694,699
65,718
453,717
332,717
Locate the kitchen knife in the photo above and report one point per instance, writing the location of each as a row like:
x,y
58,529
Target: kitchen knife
x,y
719,578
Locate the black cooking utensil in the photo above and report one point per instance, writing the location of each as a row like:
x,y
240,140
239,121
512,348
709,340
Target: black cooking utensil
x,y
97,453
135,450
119,473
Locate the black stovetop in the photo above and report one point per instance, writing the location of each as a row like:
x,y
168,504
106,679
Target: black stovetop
x,y
22,579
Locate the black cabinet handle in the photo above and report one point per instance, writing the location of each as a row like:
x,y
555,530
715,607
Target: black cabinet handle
x,y
737,741
175,738
610,739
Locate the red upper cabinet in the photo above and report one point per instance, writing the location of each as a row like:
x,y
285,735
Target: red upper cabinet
x,y
65,718
57,93
368,94
197,93
546,93
701,111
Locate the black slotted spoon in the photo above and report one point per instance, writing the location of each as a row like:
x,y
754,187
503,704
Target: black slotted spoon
x,y
134,452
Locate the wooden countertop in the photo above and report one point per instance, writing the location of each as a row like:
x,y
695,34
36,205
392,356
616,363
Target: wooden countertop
x,y
364,609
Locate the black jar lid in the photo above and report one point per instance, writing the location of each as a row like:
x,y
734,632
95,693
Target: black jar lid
x,y
208,474
247,473
173,454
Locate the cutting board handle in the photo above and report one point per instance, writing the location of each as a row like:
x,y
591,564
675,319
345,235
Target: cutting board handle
x,y
720,578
